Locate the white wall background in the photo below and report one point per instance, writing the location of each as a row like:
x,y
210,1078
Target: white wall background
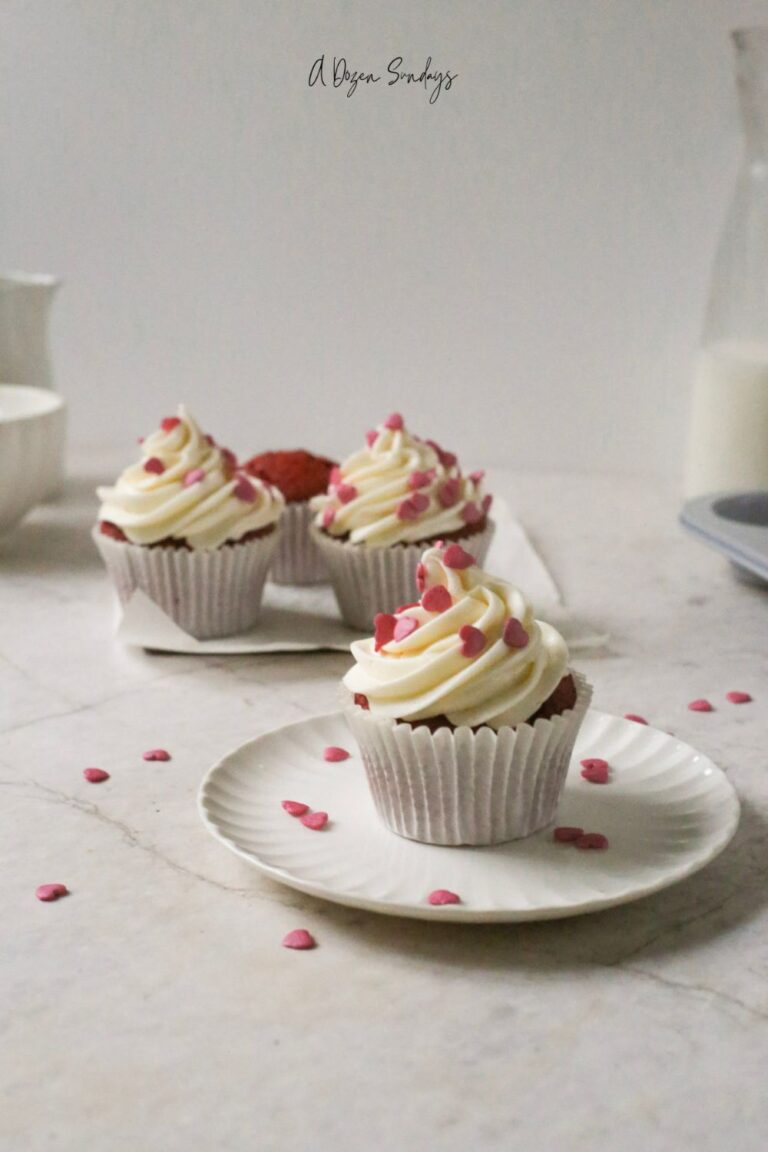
x,y
521,268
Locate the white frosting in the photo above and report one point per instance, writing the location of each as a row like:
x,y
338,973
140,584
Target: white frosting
x,y
217,503
427,673
399,490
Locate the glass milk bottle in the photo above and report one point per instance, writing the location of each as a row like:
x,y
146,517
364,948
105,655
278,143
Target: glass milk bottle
x,y
728,433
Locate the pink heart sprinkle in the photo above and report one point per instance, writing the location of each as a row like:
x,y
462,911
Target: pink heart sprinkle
x,y
421,576
487,501
473,640
194,476
328,517
421,479
169,423
437,599
315,820
566,834
154,465
383,629
448,493
514,635
470,513
443,896
157,754
48,892
700,706
244,490
407,510
455,557
395,422
447,459
299,939
335,476
595,770
295,807
371,437
404,627
633,716
95,775
346,492
478,476
738,697
592,840
333,754
420,501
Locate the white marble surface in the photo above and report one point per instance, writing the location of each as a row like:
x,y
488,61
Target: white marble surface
x,y
154,1007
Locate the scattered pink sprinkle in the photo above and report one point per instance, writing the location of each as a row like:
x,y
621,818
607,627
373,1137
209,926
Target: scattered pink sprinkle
x,y
383,629
154,465
634,716
95,775
421,576
329,515
48,892
244,490
157,754
169,423
595,770
700,706
456,557
404,627
514,635
300,940
346,492
421,479
448,493
566,834
315,820
473,640
194,476
394,422
477,476
470,513
487,502
407,510
437,599
592,840
333,754
443,896
371,437
738,697
295,807
335,476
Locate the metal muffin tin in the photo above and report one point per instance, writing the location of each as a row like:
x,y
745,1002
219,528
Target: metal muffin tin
x,y
735,523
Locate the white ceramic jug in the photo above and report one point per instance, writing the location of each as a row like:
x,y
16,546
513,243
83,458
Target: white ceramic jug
x,y
24,305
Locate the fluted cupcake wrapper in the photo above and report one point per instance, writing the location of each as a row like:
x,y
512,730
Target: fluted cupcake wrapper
x,y
297,559
208,594
456,786
370,580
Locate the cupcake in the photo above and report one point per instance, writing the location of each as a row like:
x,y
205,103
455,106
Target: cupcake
x,y
191,530
383,505
465,709
299,475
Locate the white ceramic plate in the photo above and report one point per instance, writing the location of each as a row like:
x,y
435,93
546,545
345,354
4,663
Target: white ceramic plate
x,y
667,811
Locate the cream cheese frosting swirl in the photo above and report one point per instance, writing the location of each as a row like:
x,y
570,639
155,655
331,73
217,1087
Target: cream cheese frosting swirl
x,y
186,487
470,650
400,490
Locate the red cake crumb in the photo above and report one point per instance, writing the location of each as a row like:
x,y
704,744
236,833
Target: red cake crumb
x,y
298,474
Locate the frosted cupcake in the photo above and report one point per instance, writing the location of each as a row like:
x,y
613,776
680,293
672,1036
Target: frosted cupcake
x,y
464,708
383,505
299,475
191,530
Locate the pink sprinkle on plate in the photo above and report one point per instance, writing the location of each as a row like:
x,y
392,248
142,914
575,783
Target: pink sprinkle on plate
x,y
700,706
634,716
567,834
592,840
315,820
443,896
50,892
436,599
95,775
333,754
472,640
295,807
595,770
157,754
300,940
738,697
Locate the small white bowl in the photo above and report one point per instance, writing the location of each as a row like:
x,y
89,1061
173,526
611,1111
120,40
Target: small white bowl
x,y
32,437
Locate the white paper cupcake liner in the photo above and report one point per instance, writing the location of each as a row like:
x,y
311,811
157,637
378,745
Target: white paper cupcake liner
x,y
208,594
456,786
371,580
296,559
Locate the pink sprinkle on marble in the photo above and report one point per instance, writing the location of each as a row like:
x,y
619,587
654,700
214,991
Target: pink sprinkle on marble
x,y
335,476
157,754
478,476
473,640
700,706
295,807
244,490
592,840
405,626
437,599
595,770
456,557
169,423
346,493
443,896
448,494
315,820
634,716
95,775
383,629
566,834
334,754
421,479
154,465
395,422
407,510
49,892
421,576
194,476
738,697
329,515
514,635
300,940
371,437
